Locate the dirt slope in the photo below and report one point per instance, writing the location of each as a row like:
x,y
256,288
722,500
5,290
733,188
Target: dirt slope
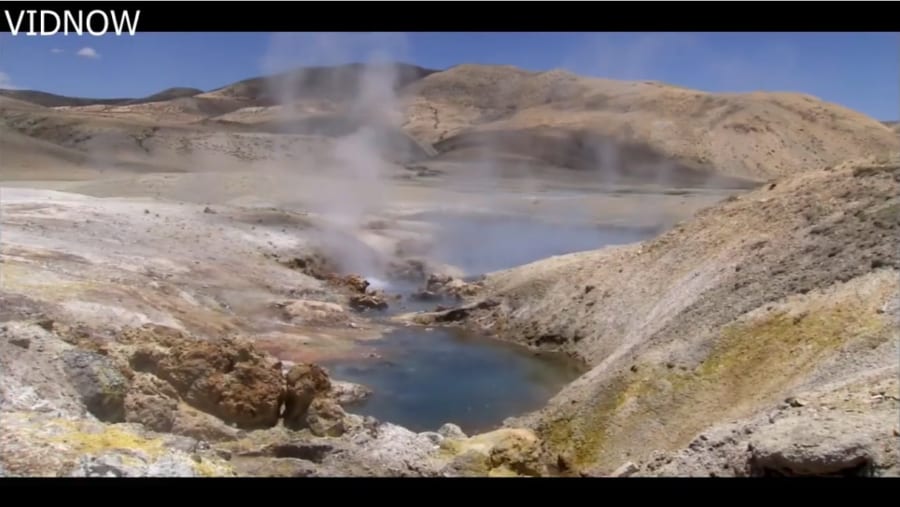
x,y
786,289
755,135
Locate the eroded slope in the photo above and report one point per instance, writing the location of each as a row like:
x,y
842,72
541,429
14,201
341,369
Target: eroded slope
x,y
781,290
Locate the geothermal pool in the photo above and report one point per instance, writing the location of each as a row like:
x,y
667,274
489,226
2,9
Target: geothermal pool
x,y
424,377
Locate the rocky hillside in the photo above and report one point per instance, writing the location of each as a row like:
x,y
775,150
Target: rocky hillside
x,y
621,124
790,292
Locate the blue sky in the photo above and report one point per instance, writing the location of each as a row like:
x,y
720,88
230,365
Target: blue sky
x,y
860,71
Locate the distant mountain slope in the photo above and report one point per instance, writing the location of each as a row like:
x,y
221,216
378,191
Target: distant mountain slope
x,y
52,100
626,131
168,94
752,135
337,83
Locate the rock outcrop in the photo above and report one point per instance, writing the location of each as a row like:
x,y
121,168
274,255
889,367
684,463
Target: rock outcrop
x,y
439,286
226,378
305,382
40,445
369,301
503,453
326,418
848,430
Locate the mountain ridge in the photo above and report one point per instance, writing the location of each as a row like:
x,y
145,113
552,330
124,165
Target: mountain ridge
x,y
504,115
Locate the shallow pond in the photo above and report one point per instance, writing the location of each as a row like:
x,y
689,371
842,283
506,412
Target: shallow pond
x,y
422,379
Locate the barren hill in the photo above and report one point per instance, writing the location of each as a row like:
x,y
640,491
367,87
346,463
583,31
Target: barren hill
x,y
786,293
633,132
338,82
563,118
52,100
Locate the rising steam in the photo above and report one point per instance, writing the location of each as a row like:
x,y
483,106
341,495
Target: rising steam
x,y
317,91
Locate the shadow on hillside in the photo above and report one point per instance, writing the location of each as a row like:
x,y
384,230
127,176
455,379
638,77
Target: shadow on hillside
x,y
618,162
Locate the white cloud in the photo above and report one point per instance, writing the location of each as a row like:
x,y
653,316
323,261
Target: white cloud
x,y
57,51
6,82
88,53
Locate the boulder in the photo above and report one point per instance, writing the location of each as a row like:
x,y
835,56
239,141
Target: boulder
x,y
798,446
446,285
305,382
508,451
355,283
226,378
519,451
362,302
325,418
314,312
450,430
470,463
